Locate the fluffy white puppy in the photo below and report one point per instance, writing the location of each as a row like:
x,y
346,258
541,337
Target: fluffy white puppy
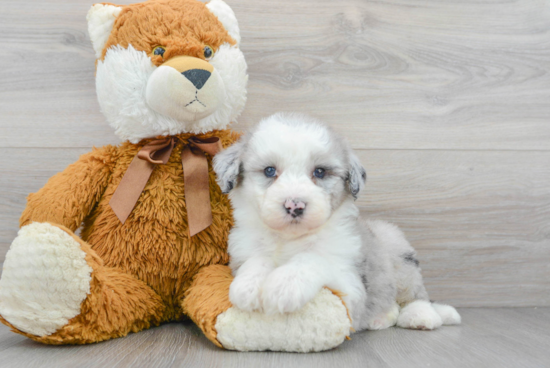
x,y
292,183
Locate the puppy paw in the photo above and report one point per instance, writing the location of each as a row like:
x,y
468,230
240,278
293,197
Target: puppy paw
x,y
285,292
244,292
448,314
385,320
419,315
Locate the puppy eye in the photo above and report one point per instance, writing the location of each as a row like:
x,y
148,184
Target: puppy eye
x,y
159,50
208,52
270,172
319,173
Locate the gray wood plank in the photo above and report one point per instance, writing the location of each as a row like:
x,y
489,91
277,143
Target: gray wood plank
x,y
399,75
479,220
394,74
47,94
25,171
500,337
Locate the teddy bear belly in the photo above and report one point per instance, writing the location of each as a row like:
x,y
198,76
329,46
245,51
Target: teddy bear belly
x,y
153,244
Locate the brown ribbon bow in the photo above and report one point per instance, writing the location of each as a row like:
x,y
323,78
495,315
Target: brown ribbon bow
x,y
195,175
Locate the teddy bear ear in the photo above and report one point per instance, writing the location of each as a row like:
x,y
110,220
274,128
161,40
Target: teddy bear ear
x,y
101,18
227,17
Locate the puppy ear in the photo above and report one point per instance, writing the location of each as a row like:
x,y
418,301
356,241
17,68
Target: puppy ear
x,y
227,165
357,176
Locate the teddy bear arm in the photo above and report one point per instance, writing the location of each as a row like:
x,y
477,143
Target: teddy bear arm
x,y
68,197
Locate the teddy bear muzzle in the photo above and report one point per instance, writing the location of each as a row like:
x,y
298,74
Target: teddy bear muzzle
x,y
185,88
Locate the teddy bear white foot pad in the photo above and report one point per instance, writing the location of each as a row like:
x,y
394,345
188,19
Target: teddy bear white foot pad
x,y
44,281
321,324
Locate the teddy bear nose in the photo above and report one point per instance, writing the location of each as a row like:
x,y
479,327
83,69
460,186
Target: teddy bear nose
x,y
197,76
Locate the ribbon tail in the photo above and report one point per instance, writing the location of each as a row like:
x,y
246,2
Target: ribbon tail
x,y
132,184
197,190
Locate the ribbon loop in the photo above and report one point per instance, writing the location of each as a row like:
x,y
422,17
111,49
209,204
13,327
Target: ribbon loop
x,y
158,151
210,145
196,179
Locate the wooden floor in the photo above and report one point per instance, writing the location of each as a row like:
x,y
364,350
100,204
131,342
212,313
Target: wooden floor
x,y
489,337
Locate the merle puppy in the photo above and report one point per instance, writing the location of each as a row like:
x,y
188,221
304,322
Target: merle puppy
x,y
292,182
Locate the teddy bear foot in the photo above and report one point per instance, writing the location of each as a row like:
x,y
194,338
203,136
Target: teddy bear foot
x,y
321,324
44,281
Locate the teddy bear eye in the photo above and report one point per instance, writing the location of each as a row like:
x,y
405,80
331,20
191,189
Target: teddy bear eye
x,y
159,50
208,52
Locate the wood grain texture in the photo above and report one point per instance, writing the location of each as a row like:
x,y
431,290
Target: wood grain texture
x,y
478,221
406,74
393,74
26,171
503,337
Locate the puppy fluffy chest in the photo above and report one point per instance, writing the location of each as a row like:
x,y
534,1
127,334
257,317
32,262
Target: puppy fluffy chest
x,y
333,244
281,251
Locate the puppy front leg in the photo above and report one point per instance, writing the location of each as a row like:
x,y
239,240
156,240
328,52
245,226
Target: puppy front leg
x,y
289,287
245,290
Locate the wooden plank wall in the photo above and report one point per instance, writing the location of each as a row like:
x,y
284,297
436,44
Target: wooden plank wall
x,y
447,103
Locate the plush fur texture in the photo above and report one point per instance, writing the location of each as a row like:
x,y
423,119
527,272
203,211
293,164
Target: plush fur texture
x,y
46,268
58,288
131,79
101,19
125,76
325,314
227,17
282,259
149,262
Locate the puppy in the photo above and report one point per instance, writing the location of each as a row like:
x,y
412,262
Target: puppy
x,y
292,182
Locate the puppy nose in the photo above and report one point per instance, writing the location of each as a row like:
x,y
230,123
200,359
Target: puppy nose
x,y
197,76
295,207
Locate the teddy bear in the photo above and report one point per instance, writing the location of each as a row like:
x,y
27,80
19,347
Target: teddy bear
x,y
152,247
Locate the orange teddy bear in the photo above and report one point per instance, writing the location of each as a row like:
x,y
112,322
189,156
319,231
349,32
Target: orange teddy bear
x,y
153,247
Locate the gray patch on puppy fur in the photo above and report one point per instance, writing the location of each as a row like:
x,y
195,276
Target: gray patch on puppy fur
x,y
228,167
410,258
361,269
357,176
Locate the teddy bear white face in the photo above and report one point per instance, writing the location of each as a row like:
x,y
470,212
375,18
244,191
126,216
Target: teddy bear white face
x,y
184,94
185,79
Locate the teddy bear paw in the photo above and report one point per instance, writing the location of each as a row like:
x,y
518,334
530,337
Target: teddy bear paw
x,y
321,324
45,279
